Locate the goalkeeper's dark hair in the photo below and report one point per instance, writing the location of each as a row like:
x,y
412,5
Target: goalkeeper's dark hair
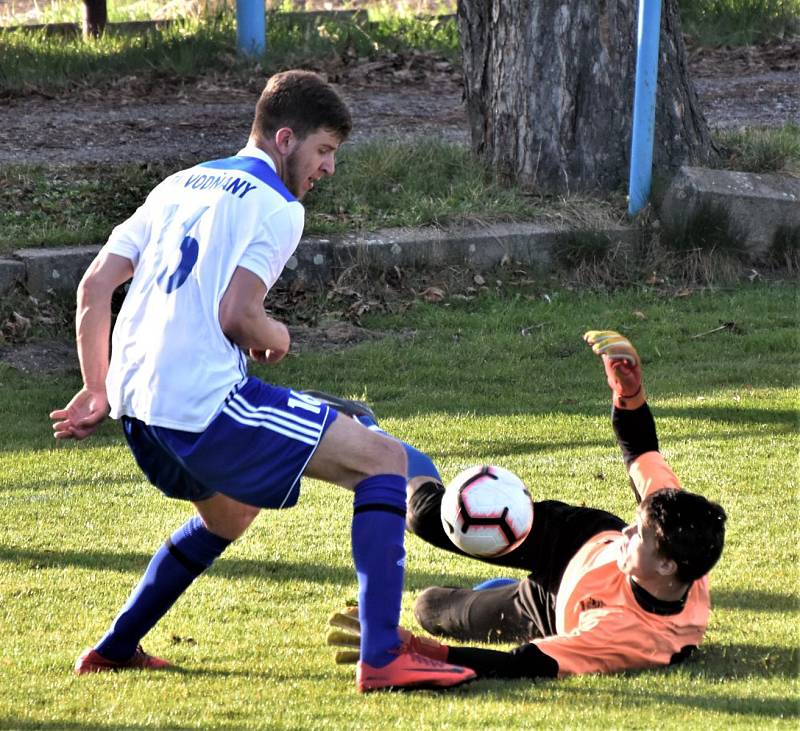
x,y
688,529
302,101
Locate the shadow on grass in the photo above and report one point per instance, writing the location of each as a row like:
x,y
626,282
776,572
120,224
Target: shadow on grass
x,y
738,660
712,662
497,449
784,421
754,600
136,562
723,662
785,707
482,405
15,724
273,677
41,488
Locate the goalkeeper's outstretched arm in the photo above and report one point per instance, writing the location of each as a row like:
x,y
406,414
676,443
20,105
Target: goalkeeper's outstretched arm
x,y
631,417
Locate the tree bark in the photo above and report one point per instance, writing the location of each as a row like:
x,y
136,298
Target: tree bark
x,y
549,91
95,16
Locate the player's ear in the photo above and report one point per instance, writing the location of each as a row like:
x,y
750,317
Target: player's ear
x,y
667,567
285,140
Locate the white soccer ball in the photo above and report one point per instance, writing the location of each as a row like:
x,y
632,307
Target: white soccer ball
x,y
486,511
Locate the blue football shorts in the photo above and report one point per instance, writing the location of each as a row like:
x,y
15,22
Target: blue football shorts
x,y
255,450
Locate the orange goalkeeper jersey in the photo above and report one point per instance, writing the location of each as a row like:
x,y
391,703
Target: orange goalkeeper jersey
x,y
601,626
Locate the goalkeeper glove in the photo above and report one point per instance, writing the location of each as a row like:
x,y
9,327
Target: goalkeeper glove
x,y
347,634
622,365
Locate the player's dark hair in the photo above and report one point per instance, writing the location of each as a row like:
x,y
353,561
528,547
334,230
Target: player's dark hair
x,y
302,101
688,529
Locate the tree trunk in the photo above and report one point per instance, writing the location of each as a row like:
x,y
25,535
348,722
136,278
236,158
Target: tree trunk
x,y
95,16
549,91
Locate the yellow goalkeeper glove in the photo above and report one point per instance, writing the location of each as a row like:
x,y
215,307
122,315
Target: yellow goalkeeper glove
x,y
347,635
622,365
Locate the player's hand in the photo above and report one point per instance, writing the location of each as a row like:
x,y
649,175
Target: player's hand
x,y
267,356
622,365
81,416
346,634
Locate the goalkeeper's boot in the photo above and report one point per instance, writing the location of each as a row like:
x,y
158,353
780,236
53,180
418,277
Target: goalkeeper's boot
x,y
91,661
349,407
425,646
411,670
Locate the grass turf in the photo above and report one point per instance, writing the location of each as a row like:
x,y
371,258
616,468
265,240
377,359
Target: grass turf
x,y
38,61
377,185
80,524
739,22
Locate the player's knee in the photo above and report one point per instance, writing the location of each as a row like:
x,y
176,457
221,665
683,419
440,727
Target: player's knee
x,y
396,457
386,456
422,609
231,524
431,608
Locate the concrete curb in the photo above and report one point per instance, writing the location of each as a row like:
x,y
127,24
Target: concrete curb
x,y
54,270
318,260
12,272
759,211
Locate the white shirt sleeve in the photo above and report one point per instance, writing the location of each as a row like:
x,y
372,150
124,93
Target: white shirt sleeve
x,y
267,254
129,238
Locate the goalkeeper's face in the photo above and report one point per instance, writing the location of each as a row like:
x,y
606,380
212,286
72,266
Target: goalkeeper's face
x,y
639,556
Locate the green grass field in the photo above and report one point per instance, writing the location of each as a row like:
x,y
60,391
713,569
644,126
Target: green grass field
x,y
79,525
739,22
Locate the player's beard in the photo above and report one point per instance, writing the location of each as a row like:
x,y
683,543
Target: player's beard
x,y
292,176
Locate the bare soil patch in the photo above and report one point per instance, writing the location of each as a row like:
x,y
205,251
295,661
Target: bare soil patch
x,y
41,357
750,86
33,332
399,96
51,356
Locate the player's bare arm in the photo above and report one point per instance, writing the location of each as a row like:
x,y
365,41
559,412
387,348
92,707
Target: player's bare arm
x,y
243,319
89,407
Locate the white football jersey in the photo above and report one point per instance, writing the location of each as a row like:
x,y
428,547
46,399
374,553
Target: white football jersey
x,y
171,364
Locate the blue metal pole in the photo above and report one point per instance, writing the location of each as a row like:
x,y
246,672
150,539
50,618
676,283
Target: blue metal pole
x,y
251,27
644,105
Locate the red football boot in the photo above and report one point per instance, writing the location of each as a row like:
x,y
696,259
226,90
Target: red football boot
x,y
425,646
411,670
91,661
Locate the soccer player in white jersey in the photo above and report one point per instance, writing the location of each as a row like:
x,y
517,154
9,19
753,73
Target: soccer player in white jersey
x,y
202,253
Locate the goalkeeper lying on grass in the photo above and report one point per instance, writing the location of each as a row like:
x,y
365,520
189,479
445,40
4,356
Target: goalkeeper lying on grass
x,y
602,596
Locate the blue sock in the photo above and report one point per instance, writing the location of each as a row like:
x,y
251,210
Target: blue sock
x,y
368,422
419,463
190,550
379,519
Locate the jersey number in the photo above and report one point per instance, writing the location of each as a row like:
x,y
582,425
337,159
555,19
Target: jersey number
x,y
303,401
189,250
